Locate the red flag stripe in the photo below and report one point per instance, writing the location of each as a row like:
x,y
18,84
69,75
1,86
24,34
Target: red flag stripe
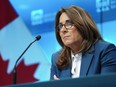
x,y
7,13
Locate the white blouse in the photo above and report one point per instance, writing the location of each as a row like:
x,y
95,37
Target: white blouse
x,y
76,64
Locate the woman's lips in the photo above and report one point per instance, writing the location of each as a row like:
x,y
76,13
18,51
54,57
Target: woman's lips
x,y
65,37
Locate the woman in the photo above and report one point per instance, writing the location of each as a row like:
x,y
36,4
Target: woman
x,y
84,52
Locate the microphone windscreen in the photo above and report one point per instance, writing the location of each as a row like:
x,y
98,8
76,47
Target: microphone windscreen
x,y
38,37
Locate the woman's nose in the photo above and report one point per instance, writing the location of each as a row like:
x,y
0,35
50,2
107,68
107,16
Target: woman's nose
x,y
63,29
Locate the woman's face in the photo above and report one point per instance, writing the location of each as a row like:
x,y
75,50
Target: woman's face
x,y
70,36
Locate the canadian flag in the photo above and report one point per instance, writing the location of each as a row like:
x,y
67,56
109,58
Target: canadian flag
x,y
14,38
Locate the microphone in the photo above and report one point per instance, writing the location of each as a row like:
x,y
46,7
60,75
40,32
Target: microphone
x,y
14,69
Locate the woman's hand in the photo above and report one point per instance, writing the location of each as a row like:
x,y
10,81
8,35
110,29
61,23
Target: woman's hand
x,y
56,78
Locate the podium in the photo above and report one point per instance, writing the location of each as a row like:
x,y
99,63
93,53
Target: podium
x,y
108,80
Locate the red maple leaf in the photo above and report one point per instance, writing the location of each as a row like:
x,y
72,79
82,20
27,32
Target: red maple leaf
x,y
24,73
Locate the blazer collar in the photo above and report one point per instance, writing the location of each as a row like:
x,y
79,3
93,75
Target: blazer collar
x,y
86,61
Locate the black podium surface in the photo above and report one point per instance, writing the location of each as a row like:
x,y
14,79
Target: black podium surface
x,y
93,81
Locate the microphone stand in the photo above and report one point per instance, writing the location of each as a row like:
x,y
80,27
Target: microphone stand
x,y
14,70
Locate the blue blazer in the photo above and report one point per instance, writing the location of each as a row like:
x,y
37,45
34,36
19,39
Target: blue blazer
x,y
100,59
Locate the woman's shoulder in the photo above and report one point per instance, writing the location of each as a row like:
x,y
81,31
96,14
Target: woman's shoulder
x,y
104,44
56,55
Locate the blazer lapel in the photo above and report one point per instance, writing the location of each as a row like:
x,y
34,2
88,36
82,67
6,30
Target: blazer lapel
x,y
86,62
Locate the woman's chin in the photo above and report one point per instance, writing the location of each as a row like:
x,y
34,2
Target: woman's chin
x,y
68,44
